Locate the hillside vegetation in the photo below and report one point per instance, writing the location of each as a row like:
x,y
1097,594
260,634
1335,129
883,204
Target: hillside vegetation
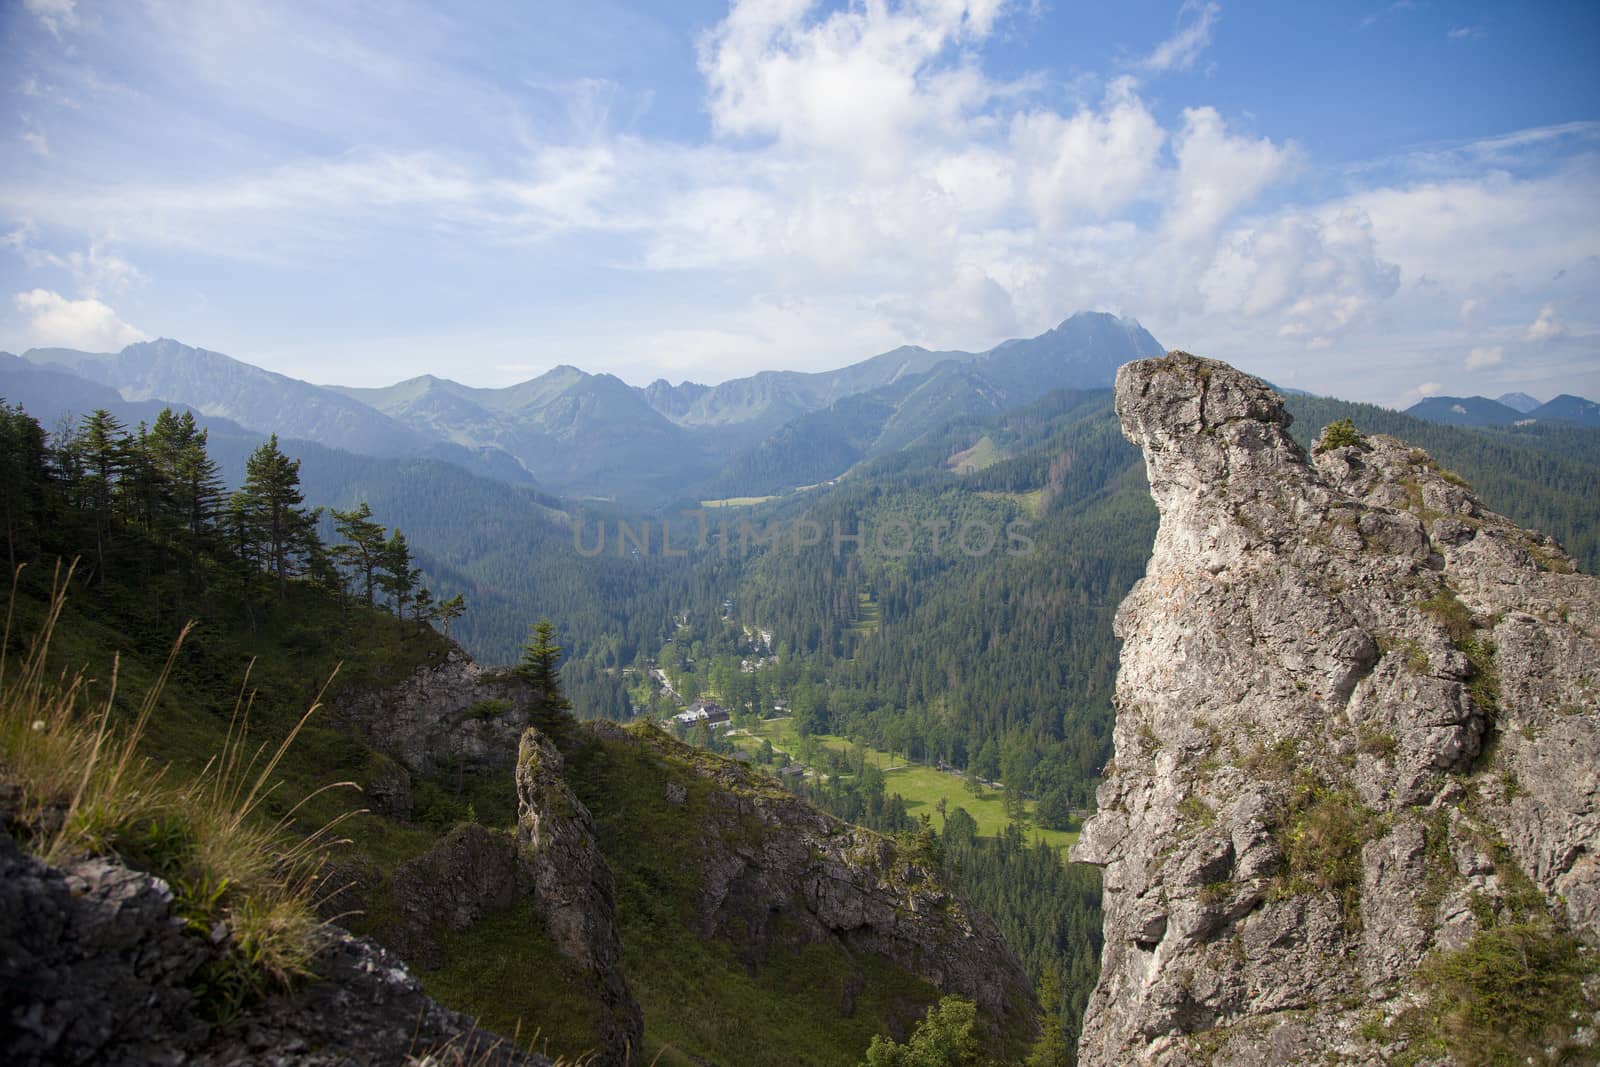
x,y
283,626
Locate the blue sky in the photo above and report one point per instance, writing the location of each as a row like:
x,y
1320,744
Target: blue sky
x,y
1379,201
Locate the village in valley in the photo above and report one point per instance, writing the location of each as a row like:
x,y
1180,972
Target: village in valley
x,y
741,703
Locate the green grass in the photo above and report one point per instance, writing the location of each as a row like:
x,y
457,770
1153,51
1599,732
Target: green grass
x,y
1029,502
737,502
869,617
921,787
504,972
702,1001
984,454
818,1004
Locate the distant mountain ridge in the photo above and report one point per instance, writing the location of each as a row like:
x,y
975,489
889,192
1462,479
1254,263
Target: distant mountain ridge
x,y
592,435
1510,410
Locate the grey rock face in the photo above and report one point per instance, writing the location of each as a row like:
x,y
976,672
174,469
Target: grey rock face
x,y
1350,698
95,968
446,714
559,863
467,875
776,871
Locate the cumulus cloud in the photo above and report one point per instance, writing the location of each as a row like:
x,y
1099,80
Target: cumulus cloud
x,y
1486,356
1547,327
856,82
1193,34
1316,277
1089,164
86,324
868,179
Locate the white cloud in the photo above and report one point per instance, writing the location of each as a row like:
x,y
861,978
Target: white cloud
x,y
1217,173
1547,327
56,15
1193,34
1465,33
866,179
1317,278
1090,164
85,324
856,83
1486,356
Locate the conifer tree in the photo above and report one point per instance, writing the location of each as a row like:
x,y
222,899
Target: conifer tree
x,y
1051,1050
272,494
23,477
104,455
363,550
540,668
450,610
398,577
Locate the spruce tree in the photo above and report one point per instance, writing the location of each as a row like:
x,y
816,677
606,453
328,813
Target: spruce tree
x,y
272,494
540,668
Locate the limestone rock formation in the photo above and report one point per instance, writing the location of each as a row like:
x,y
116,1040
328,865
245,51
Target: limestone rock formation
x,y
560,865
449,713
96,968
774,871
470,873
1357,753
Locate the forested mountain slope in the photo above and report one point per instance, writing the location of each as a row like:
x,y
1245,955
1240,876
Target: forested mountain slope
x,y
481,861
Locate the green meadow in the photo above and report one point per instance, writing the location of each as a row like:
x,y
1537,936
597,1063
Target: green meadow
x,y
921,787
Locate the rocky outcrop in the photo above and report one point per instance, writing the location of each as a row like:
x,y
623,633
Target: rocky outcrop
x,y
470,873
96,968
776,872
447,715
558,863
1357,739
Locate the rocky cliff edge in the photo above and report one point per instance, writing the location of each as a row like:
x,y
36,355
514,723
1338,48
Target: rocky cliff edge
x,y
1354,809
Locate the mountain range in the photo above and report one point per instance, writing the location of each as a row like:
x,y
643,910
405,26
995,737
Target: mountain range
x,y
1512,409
579,434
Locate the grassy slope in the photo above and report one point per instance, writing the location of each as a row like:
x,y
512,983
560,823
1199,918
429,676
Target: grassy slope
x,y
922,787
701,1002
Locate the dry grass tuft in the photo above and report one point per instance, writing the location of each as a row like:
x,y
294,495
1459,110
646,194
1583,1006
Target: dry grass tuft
x,y
87,790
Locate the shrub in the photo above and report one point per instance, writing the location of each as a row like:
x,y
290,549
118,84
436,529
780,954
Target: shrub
x,y
1505,998
1322,832
1340,434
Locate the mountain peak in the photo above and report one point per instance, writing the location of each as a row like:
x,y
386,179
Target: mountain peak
x,y
1518,401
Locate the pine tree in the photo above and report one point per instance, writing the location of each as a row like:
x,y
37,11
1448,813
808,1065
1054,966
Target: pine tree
x,y
272,494
363,550
184,490
540,668
450,610
398,577
23,480
104,453
1051,1050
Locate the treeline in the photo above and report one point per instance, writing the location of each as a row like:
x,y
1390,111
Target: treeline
x,y
148,509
